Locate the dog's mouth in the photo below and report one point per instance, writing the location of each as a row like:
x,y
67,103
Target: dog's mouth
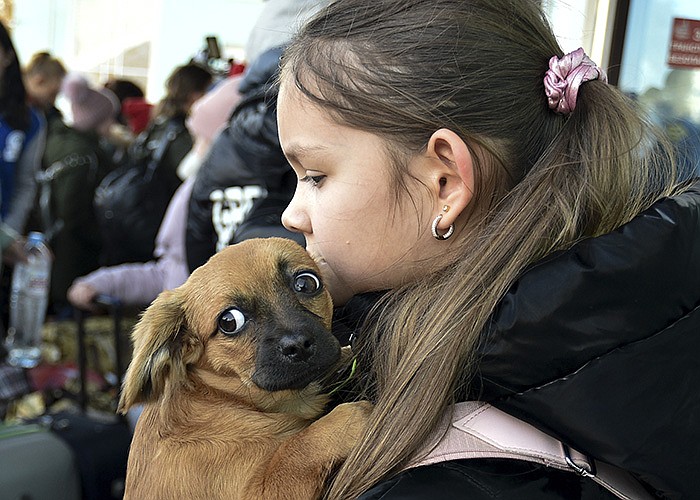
x,y
293,360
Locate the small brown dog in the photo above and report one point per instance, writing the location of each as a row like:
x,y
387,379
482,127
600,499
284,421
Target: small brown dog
x,y
228,366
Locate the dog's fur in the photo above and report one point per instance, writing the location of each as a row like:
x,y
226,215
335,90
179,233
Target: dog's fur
x,y
232,415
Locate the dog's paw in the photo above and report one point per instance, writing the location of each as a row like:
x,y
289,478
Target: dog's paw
x,y
348,421
312,454
357,411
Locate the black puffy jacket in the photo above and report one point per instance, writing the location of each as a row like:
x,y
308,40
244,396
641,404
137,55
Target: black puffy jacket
x,y
245,182
598,346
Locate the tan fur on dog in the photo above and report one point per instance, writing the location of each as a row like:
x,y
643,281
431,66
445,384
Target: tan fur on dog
x,y
207,430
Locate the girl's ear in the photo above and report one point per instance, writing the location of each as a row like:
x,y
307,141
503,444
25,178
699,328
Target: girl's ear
x,y
453,175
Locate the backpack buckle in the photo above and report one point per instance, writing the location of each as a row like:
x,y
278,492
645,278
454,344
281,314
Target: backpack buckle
x,y
583,466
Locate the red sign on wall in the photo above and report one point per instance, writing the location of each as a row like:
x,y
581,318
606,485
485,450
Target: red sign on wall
x,y
685,44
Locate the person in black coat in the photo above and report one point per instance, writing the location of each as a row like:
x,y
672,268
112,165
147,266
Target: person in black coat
x,y
73,164
131,201
245,182
494,226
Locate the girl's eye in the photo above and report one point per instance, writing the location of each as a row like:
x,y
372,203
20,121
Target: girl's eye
x,y
231,321
307,283
314,180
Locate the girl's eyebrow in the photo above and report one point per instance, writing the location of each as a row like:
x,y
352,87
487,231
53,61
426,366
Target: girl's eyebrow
x,y
296,151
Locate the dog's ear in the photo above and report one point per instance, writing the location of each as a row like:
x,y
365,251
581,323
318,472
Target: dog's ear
x,y
163,347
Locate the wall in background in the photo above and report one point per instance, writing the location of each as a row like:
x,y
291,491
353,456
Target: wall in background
x,y
145,39
138,39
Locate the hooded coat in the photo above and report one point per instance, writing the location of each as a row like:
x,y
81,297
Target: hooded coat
x,y
245,182
598,346
74,163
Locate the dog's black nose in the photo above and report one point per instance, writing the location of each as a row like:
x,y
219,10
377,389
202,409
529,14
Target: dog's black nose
x,y
297,347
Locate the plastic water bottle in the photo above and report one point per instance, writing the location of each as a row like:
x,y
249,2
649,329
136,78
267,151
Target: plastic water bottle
x,y
29,297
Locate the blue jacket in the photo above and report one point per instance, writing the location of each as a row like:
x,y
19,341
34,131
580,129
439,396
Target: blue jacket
x,y
19,162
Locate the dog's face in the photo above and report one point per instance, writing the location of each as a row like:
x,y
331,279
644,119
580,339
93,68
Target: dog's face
x,y
255,317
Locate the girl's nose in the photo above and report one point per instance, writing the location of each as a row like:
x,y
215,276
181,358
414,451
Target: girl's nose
x,y
294,218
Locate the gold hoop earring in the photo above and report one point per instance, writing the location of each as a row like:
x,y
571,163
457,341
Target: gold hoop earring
x,y
436,221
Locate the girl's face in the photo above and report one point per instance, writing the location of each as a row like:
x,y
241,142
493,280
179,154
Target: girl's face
x,y
345,204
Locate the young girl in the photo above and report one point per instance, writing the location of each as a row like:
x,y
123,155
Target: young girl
x,y
526,228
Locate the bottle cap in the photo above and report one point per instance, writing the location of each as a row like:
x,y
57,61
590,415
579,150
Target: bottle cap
x,y
35,237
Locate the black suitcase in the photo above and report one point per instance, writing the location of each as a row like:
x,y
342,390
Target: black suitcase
x,y
66,455
100,449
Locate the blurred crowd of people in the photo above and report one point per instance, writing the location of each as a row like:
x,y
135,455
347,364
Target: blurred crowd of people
x,y
225,173
222,171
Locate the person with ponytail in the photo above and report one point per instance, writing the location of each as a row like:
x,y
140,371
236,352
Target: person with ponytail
x,y
185,85
496,224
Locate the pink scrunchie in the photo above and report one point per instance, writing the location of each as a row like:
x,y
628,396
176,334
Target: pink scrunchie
x,y
565,76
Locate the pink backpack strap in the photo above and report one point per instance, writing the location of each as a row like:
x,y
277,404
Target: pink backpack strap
x,y
479,430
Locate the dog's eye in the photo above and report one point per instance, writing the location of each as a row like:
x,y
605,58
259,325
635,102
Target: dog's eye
x,y
307,283
231,321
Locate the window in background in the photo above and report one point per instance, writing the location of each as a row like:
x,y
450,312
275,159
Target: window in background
x,y
141,40
582,23
661,68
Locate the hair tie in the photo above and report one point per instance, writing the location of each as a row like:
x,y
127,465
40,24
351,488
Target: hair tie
x,y
565,76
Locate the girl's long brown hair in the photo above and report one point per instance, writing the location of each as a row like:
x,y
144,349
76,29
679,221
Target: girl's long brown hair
x,y
402,69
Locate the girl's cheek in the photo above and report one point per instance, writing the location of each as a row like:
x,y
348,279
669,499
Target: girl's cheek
x,y
331,281
340,292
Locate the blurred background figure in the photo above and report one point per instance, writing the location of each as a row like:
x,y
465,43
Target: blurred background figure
x,y
22,135
74,163
22,129
137,284
184,87
245,181
43,76
131,202
207,119
132,118
125,89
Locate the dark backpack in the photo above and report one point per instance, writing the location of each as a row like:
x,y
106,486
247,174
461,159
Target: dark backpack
x,y
130,202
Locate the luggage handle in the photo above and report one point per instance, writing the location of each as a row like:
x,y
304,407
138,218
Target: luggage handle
x,y
115,305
